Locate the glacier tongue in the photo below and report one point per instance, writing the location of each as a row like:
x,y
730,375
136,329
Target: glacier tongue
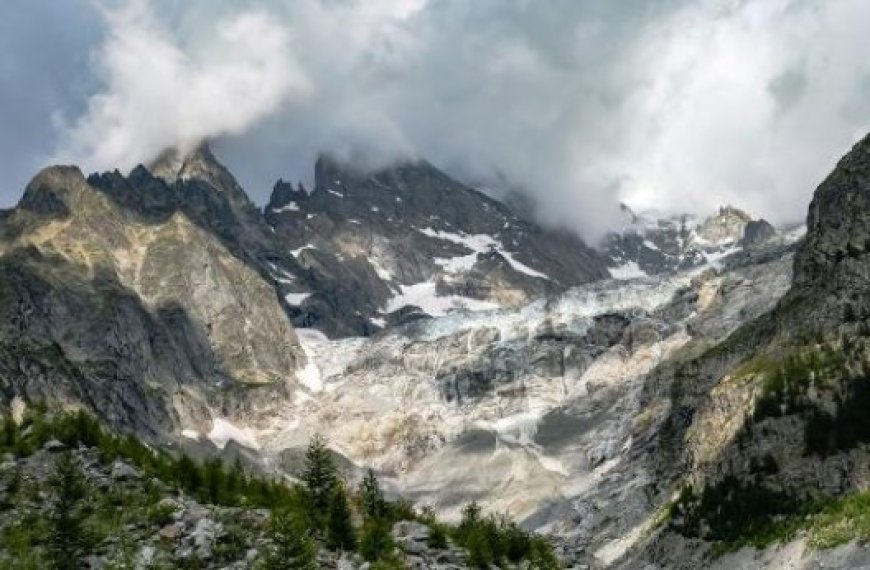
x,y
534,411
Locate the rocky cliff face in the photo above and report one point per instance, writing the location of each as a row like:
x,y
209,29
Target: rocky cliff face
x,y
765,425
834,255
117,299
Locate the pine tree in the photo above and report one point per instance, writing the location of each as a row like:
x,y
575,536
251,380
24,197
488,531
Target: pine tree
x,y
292,547
10,432
188,474
340,534
320,475
214,481
373,502
66,535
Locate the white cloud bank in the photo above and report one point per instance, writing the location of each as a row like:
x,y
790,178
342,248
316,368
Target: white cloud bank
x,y
669,104
161,91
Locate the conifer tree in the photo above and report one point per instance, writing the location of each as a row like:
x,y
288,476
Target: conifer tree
x,y
65,534
292,547
373,502
376,542
340,534
541,556
9,434
320,475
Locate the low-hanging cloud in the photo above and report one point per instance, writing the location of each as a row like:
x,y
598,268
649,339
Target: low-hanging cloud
x,y
669,104
163,91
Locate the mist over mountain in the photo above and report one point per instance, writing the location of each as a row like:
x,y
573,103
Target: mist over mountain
x,y
676,105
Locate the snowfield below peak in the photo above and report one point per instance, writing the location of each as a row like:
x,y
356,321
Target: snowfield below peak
x,y
479,244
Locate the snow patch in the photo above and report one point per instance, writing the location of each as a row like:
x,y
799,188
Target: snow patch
x,y
382,271
282,276
223,431
519,428
425,296
309,375
190,433
553,465
523,268
714,259
630,270
288,207
296,252
478,244
296,299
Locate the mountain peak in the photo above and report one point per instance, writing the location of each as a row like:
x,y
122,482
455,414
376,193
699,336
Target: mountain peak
x,y
328,169
173,163
835,253
51,190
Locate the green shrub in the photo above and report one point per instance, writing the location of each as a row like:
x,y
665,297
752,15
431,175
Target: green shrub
x,y
497,540
374,505
376,540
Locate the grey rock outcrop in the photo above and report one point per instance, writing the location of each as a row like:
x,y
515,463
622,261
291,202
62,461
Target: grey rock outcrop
x,y
836,252
757,232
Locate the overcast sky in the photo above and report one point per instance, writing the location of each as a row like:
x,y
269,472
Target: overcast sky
x,y
665,104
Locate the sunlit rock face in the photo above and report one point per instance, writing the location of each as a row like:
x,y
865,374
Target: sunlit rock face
x,y
117,300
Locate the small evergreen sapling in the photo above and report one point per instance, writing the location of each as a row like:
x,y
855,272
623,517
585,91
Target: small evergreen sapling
x,y
374,505
292,547
66,538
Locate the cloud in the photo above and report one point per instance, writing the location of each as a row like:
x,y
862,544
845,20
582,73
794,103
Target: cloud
x,y
749,103
160,91
667,104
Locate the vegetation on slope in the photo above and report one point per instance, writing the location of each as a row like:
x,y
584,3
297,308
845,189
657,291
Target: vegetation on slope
x,y
319,514
826,387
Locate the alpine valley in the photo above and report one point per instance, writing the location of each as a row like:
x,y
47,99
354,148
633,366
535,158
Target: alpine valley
x,y
691,392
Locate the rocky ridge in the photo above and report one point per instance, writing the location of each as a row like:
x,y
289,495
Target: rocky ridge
x,y
408,241
652,244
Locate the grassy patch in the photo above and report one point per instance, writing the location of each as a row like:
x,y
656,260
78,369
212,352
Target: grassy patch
x,y
841,521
